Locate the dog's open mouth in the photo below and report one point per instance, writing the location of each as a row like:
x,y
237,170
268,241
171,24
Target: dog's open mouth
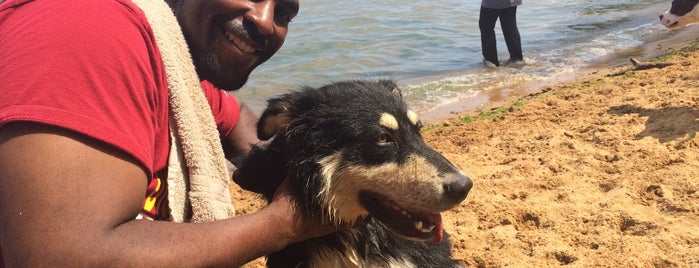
x,y
412,224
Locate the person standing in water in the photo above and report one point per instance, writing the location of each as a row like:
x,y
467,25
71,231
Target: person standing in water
x,y
506,10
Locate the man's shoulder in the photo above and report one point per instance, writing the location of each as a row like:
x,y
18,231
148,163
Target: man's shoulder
x,y
92,21
70,3
72,7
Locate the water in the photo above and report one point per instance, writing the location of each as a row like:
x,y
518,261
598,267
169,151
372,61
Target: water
x,y
432,48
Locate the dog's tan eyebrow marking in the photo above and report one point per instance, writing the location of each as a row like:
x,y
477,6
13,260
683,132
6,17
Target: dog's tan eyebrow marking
x,y
388,121
274,124
413,117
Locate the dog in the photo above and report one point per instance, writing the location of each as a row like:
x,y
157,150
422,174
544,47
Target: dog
x,y
353,151
681,14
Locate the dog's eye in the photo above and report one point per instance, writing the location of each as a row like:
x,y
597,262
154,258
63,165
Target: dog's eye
x,y
383,138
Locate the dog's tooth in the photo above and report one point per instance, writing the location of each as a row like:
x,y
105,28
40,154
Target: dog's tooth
x,y
428,229
404,212
418,225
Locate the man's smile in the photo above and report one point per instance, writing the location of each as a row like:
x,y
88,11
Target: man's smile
x,y
235,34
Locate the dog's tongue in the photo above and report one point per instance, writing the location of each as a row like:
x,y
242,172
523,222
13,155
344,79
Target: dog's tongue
x,y
438,232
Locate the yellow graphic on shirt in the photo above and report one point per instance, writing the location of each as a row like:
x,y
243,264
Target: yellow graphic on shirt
x,y
152,196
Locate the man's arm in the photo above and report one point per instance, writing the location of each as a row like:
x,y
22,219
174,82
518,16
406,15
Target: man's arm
x,y
69,200
242,138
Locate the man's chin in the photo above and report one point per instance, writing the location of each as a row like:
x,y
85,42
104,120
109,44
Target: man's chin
x,y
209,68
227,83
223,80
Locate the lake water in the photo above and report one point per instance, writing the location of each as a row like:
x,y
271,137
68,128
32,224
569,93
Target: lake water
x,y
432,48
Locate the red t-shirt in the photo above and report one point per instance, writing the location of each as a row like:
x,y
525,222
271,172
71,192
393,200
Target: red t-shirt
x,y
92,66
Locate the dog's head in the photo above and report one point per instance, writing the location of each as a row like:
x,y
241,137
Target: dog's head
x,y
681,14
355,150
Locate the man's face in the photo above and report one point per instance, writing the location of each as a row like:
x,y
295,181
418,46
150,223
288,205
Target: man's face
x,y
229,38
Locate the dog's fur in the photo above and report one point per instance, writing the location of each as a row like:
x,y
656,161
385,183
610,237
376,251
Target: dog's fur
x,y
353,151
681,14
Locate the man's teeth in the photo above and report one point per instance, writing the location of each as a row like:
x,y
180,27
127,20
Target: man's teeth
x,y
240,44
425,229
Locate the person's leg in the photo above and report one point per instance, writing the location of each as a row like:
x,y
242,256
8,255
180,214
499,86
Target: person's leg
x,y
508,22
486,23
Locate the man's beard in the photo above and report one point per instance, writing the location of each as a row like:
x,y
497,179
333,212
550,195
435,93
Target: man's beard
x,y
209,68
207,64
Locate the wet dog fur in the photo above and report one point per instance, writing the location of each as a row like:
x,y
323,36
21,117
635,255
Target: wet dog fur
x,y
354,152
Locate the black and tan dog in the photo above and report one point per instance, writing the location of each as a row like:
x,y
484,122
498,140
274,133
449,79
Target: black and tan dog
x,y
354,152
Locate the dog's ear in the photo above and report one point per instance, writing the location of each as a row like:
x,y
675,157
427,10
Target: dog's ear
x,y
396,91
391,85
274,119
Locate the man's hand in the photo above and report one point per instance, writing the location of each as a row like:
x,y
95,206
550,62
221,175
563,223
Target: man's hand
x,y
301,225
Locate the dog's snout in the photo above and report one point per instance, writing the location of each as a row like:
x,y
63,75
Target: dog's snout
x,y
456,187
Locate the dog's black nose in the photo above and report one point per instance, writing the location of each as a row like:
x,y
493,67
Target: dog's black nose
x,y
660,17
456,187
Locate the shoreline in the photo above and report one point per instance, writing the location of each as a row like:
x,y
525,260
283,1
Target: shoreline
x,y
497,97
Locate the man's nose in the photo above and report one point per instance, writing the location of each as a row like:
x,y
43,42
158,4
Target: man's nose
x,y
262,15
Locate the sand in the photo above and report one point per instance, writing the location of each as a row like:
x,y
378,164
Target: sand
x,y
596,171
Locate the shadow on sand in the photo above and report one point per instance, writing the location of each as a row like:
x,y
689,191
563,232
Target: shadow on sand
x,y
665,124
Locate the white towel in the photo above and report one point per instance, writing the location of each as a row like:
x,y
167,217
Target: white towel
x,y
198,179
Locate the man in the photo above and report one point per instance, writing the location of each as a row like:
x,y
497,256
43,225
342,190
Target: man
x,y
85,138
506,10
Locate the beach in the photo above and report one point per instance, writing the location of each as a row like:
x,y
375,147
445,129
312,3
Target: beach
x,y
594,171
598,171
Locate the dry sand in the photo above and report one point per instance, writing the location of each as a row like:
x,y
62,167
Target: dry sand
x,y
596,171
